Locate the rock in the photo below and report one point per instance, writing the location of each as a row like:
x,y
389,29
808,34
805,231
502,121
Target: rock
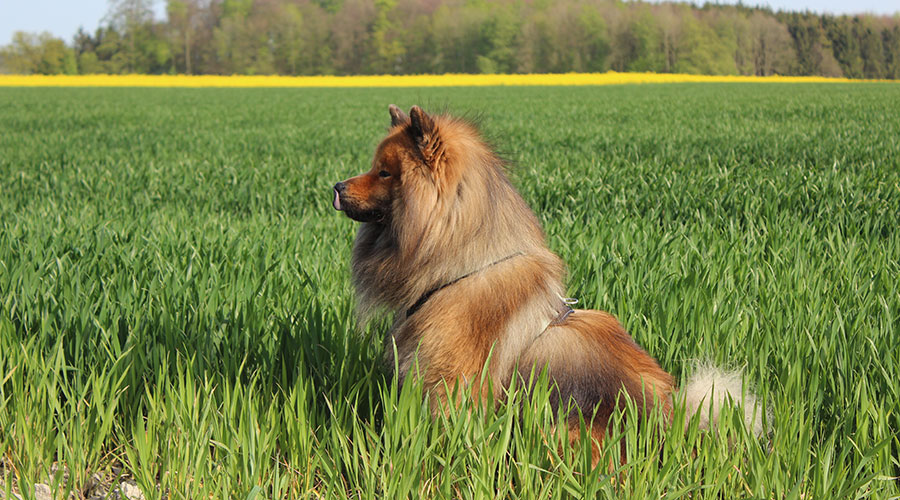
x,y
129,490
42,492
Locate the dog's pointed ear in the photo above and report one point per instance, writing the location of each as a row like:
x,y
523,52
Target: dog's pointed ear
x,y
421,125
425,135
398,117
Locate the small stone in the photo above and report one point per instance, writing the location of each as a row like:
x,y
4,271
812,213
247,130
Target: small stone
x,y
129,490
42,492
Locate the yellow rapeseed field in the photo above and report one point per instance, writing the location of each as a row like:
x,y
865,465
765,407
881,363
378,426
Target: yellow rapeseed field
x,y
450,80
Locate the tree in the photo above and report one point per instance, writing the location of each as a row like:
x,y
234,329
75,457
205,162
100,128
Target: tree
x,y
773,50
133,18
458,37
412,22
498,32
316,56
701,50
387,51
670,19
814,54
184,16
234,40
639,42
109,51
723,28
22,55
870,48
465,36
351,35
891,40
89,64
571,37
744,40
844,38
288,39
41,54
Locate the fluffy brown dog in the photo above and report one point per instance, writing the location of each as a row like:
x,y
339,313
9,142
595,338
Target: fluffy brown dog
x,y
448,244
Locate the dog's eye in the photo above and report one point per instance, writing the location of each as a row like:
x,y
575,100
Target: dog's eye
x,y
384,173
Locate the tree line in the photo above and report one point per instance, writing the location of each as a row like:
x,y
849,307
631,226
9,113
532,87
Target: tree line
x,y
350,37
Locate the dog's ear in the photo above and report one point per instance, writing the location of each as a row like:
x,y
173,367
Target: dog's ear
x,y
424,133
398,117
422,124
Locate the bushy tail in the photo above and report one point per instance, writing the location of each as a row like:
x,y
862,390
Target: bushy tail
x,y
709,388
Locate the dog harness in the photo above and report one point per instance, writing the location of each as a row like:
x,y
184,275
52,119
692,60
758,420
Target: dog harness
x,y
427,295
558,320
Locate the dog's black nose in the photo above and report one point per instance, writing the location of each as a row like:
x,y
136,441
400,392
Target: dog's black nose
x,y
340,187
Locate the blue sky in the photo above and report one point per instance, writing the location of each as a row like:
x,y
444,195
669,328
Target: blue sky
x,y
60,17
63,17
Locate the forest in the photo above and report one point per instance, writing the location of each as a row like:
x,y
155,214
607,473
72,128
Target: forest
x,y
358,37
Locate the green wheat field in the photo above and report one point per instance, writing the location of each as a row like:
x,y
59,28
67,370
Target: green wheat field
x,y
176,308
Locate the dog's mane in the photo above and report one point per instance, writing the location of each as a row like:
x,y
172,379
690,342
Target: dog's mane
x,y
454,215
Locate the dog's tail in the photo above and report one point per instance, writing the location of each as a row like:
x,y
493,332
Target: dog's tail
x,y
709,388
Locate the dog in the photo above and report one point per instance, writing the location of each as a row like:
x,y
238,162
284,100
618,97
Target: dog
x,y
448,244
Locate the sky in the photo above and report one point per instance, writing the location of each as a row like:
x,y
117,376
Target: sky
x,y
62,18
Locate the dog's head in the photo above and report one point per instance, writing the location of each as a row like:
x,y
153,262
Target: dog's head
x,y
435,204
411,144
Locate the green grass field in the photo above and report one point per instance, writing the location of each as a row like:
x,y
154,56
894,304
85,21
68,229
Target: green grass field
x,y
175,301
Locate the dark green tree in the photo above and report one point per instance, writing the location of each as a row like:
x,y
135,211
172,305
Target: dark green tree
x,y
890,38
814,53
871,49
842,32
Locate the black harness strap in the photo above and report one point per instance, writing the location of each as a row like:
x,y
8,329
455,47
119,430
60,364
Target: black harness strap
x,y
562,316
427,295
